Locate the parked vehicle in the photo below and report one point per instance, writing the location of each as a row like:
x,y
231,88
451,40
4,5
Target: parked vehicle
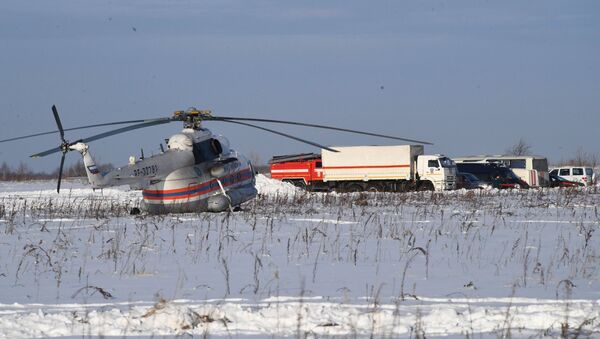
x,y
556,181
357,168
580,174
467,181
493,174
532,169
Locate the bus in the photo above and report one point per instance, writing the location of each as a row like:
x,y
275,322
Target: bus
x,y
532,169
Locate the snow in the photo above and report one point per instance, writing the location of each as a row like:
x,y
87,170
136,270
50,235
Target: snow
x,y
273,317
269,186
292,263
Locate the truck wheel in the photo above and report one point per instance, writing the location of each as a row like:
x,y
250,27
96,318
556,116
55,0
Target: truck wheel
x,y
354,188
426,186
375,187
404,186
298,183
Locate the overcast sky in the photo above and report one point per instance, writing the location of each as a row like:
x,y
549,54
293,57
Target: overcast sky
x,y
470,76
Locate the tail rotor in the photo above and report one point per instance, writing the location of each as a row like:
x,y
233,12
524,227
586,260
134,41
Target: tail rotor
x,y
59,124
64,146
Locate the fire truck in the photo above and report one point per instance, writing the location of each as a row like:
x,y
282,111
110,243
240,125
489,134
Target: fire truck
x,y
398,168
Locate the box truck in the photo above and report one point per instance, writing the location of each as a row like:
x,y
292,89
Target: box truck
x,y
398,168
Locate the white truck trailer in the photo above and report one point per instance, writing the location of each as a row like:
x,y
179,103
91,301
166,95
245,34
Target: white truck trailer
x,y
375,168
386,168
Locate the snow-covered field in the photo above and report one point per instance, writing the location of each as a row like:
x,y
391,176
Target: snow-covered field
x,y
491,263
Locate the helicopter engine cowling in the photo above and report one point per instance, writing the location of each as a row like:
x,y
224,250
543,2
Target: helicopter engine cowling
x,y
180,142
220,202
217,171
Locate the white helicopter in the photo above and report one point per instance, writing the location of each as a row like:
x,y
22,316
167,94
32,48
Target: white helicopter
x,y
198,172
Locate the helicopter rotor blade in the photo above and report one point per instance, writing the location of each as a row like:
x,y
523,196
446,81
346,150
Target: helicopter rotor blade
x,y
60,171
319,126
153,122
159,121
282,134
80,127
45,153
58,123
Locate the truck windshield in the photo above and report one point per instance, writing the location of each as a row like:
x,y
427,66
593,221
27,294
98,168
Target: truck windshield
x,y
447,162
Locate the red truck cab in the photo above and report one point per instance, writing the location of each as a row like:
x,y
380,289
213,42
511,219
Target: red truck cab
x,y
302,170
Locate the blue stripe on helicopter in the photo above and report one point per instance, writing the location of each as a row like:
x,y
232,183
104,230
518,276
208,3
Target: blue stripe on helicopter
x,y
199,189
93,169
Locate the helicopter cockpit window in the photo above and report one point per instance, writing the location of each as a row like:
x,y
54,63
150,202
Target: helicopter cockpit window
x,y
216,146
206,150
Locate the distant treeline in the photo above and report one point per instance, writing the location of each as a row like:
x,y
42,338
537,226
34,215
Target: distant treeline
x,y
23,172
581,158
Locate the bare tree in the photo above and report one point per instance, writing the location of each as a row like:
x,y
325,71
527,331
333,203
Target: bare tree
x,y
23,172
257,162
522,147
255,158
75,170
586,159
5,171
582,158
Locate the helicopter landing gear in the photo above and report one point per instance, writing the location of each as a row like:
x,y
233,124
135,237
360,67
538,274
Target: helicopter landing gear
x,y
135,211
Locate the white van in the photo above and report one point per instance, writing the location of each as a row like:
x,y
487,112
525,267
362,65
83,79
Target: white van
x,y
581,174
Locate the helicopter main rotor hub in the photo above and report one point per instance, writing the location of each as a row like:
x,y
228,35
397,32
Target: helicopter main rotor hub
x,y
192,118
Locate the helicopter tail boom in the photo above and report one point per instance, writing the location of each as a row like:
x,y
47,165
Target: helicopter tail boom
x,y
96,179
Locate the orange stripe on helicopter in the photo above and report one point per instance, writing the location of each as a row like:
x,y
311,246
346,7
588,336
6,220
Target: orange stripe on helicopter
x,y
187,196
197,190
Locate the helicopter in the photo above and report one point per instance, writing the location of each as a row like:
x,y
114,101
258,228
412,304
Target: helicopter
x,y
198,172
